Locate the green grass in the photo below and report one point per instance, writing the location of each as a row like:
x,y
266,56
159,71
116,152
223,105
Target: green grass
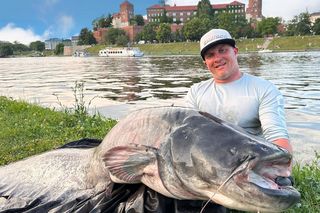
x,y
295,43
292,43
27,129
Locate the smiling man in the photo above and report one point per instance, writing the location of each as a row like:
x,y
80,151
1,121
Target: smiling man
x,y
248,101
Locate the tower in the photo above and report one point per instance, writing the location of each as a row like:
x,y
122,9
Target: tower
x,y
254,9
126,12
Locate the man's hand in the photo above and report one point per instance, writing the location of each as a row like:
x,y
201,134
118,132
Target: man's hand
x,y
285,144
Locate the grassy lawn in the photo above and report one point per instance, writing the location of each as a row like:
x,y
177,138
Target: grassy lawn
x,y
292,43
27,129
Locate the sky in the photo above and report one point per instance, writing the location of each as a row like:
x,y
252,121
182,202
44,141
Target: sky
x,y
25,21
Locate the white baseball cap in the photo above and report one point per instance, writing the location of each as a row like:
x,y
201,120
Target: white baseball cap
x,y
214,37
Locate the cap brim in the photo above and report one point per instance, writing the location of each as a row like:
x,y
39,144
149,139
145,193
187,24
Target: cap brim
x,y
229,41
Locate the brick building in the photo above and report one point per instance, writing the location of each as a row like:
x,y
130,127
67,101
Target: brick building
x,y
184,13
254,10
120,20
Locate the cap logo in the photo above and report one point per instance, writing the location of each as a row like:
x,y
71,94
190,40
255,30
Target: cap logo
x,y
213,38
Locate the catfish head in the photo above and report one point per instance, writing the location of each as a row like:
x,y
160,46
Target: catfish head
x,y
221,162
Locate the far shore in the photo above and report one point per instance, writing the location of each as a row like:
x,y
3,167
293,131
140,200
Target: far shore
x,y
250,45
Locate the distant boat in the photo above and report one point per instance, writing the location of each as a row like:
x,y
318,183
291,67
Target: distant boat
x,y
121,52
80,53
265,51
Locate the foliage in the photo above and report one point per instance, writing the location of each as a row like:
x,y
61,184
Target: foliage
x,y
195,28
37,46
6,49
163,33
165,19
244,29
113,34
204,9
299,25
59,49
18,47
316,27
268,26
102,22
307,180
122,40
177,36
227,21
137,20
149,32
86,37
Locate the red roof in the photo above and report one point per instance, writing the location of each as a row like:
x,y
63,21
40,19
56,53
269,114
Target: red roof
x,y
192,7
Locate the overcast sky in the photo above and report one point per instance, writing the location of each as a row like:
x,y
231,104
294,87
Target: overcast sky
x,y
30,20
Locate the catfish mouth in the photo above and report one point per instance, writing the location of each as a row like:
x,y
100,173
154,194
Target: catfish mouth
x,y
261,174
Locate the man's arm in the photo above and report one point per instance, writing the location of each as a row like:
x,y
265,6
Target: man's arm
x,y
284,143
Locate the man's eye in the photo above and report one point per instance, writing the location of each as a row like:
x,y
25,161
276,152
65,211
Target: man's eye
x,y
208,55
222,50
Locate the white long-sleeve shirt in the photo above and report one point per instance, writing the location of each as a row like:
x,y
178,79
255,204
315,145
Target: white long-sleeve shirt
x,y
250,102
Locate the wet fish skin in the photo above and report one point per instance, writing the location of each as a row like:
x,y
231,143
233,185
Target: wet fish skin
x,y
186,154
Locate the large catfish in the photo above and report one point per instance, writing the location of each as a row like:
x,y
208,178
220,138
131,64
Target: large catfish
x,y
178,152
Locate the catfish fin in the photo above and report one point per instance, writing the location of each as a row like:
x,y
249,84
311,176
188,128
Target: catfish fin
x,y
129,163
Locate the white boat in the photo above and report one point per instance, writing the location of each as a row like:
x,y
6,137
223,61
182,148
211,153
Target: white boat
x,y
121,52
79,53
265,51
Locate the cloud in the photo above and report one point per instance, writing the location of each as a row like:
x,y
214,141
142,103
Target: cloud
x,y
65,24
12,33
49,3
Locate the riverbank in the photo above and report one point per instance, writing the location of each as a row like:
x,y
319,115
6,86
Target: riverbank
x,y
277,44
27,129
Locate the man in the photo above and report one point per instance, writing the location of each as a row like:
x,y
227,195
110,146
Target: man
x,y
250,102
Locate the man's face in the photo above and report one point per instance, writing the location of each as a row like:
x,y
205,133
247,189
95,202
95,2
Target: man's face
x,y
222,62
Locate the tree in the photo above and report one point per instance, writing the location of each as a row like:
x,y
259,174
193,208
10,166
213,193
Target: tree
x,y
122,40
268,26
37,46
195,28
299,25
243,28
316,27
204,9
86,37
18,47
149,32
102,22
163,33
59,49
227,21
137,20
304,24
165,19
113,34
6,49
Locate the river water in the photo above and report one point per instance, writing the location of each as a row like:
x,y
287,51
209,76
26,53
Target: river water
x,y
116,86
